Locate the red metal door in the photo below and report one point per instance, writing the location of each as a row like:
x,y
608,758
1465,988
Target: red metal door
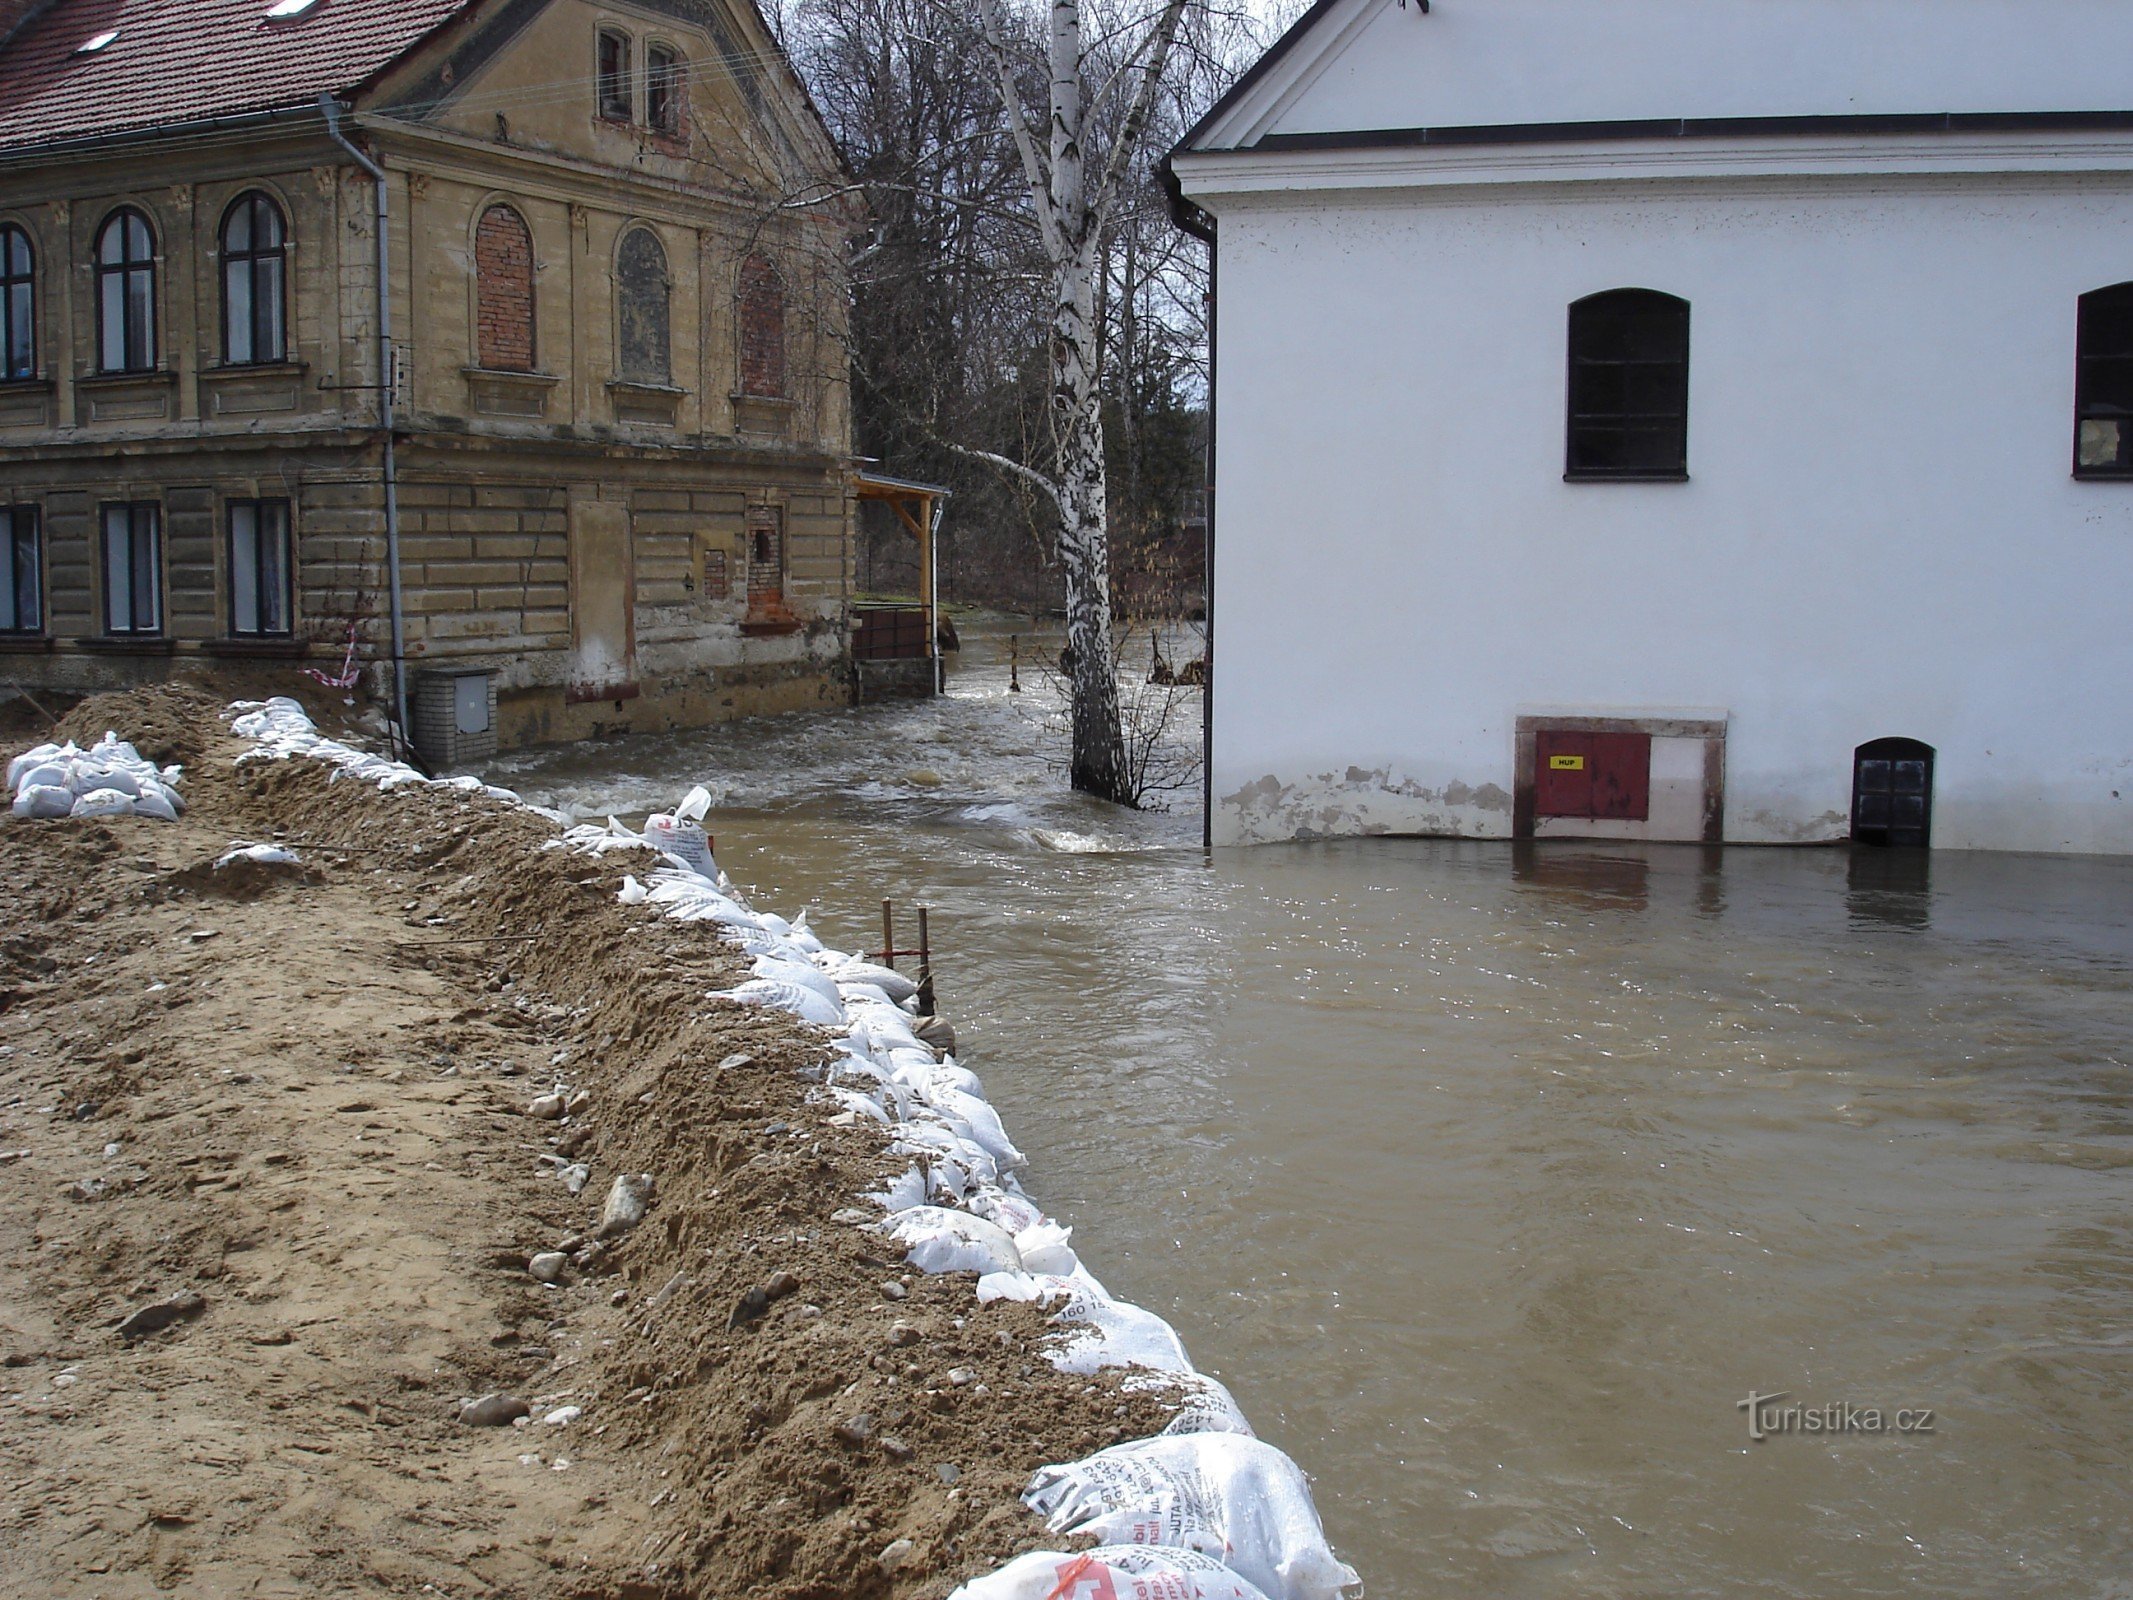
x,y
1602,777
1621,776
1562,774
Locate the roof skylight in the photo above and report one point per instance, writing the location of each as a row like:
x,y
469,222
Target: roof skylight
x,y
282,10
89,47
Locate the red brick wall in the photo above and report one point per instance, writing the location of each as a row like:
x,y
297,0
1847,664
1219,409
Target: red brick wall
x,y
762,329
503,293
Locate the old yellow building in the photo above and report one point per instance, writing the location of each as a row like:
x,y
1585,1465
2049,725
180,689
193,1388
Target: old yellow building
x,y
608,459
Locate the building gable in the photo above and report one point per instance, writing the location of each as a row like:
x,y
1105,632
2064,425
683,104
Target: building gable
x,y
527,72
1354,67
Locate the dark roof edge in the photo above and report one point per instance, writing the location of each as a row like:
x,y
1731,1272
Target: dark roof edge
x,y
1841,125
46,149
1257,70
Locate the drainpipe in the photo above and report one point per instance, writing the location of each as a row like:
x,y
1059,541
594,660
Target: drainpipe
x,y
1200,223
332,109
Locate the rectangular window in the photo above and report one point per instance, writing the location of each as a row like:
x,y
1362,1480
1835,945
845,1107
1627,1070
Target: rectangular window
x,y
615,96
22,585
259,569
662,89
133,569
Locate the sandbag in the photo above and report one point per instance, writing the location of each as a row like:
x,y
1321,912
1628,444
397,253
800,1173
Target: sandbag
x,y
1114,1573
805,1004
44,800
1236,1498
939,1240
896,985
103,803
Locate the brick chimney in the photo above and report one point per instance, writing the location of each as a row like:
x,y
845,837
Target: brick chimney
x,y
14,13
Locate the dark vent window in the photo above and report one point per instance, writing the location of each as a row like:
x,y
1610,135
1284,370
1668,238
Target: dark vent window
x,y
662,89
2103,384
615,95
1629,387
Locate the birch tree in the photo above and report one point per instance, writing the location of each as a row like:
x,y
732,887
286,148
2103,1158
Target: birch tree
x,y
1072,189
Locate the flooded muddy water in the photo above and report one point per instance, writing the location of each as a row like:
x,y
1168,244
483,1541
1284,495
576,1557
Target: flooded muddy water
x,y
1495,1179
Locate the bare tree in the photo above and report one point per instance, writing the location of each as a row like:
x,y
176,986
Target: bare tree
x,y
1072,195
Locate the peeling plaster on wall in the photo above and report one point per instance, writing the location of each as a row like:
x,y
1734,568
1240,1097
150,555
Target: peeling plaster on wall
x,y
1771,827
1360,802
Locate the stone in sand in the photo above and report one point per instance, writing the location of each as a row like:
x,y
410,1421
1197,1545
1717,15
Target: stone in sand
x,y
494,1411
627,1201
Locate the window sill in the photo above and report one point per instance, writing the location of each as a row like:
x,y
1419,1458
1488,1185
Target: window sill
x,y
496,392
31,385
2103,474
154,377
1625,477
127,644
771,628
25,644
254,369
275,649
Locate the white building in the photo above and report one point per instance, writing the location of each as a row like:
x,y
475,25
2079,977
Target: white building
x,y
1503,550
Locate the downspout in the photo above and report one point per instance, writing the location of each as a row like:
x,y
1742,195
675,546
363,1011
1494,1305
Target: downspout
x,y
331,109
1200,223
933,596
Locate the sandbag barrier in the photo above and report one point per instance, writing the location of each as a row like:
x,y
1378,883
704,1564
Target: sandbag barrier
x,y
109,779
1203,1510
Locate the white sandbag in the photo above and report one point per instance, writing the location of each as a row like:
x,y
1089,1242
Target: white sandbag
x,y
44,775
1095,1331
1223,1494
864,1104
632,892
684,840
1201,1404
103,803
904,1192
804,938
45,800
40,756
801,975
896,985
805,1004
1010,1210
695,805
1113,1573
864,993
90,778
984,1124
1043,1247
265,855
157,802
939,1240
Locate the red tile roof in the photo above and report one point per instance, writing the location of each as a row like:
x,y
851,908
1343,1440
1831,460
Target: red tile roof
x,y
184,61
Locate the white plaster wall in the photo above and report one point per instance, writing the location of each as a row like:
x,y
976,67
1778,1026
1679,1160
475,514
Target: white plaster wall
x,y
1881,534
1468,62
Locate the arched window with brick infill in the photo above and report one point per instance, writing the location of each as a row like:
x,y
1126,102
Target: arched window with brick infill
x,y
762,318
503,291
641,295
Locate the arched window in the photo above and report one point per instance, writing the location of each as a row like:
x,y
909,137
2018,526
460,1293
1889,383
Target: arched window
x,y
641,293
662,88
1892,792
762,319
2103,384
1629,386
255,255
126,294
503,291
616,91
18,304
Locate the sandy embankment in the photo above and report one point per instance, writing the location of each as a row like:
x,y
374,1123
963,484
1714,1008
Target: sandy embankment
x,y
300,1094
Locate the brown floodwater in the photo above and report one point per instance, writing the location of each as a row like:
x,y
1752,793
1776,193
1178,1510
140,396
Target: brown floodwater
x,y
1493,1179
